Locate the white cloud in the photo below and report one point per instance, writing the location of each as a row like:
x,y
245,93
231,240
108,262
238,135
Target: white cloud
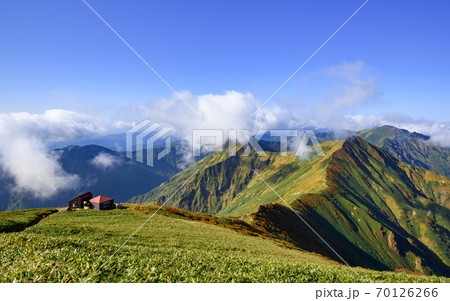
x,y
229,111
360,122
23,155
105,161
352,88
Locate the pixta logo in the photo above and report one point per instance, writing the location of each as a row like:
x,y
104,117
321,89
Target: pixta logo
x,y
147,137
299,143
141,139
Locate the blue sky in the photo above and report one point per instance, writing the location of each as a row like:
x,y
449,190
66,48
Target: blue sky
x,y
64,75
58,54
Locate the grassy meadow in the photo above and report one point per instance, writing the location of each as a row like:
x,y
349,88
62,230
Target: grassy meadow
x,y
13,221
174,246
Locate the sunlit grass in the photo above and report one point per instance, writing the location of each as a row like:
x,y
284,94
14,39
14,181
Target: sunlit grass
x,y
76,246
12,221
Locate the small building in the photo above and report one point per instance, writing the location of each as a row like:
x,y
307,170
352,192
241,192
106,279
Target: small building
x,y
102,203
80,201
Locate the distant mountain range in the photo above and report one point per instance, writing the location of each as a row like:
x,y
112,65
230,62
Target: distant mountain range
x,y
116,142
121,180
412,148
373,209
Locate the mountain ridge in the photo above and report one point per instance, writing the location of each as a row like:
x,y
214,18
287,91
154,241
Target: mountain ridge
x,y
412,148
358,191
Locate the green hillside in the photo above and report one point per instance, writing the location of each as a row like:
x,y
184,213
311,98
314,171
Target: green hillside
x,y
174,246
376,211
21,219
411,148
227,185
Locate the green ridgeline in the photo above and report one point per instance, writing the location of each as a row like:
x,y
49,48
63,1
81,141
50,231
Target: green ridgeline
x,y
379,212
411,148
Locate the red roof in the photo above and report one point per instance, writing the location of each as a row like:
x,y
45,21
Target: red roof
x,y
85,195
101,199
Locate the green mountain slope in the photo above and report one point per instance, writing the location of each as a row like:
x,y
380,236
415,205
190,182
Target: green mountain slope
x,y
375,210
173,246
226,185
395,214
411,148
